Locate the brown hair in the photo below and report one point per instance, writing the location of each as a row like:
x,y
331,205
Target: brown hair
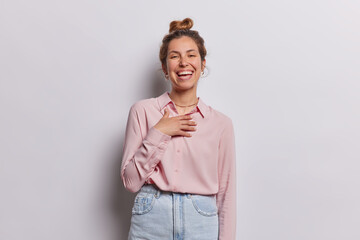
x,y
179,29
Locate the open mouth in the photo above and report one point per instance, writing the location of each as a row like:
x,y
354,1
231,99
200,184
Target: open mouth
x,y
185,75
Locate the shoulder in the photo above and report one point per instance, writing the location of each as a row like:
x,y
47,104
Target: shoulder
x,y
143,104
226,127
221,118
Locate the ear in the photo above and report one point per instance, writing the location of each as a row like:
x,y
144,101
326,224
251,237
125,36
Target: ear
x,y
203,64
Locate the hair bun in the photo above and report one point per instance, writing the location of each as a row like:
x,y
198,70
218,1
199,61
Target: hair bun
x,y
185,24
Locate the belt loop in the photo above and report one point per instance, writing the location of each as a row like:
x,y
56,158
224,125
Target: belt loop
x,y
157,194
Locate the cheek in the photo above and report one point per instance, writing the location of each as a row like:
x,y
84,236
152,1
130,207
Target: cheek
x,y
171,66
197,65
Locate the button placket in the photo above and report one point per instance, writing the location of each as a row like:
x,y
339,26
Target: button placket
x,y
177,162
178,159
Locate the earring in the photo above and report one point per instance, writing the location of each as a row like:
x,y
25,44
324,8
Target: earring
x,y
203,72
167,76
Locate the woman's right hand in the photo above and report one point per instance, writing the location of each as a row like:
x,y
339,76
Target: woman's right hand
x,y
174,126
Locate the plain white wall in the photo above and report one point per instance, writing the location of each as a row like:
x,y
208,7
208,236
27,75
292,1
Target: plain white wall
x,y
286,72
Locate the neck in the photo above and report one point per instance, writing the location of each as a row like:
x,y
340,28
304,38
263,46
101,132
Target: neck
x,y
184,98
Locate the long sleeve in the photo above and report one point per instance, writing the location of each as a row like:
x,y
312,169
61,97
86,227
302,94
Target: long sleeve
x,y
140,154
226,197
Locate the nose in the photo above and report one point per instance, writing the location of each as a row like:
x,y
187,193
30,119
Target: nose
x,y
183,62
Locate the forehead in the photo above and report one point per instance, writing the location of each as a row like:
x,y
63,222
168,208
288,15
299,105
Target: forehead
x,y
182,44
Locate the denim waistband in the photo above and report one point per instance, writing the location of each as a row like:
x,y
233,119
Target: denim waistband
x,y
152,188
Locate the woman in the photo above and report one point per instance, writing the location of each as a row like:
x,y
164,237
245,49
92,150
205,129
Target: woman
x,y
180,153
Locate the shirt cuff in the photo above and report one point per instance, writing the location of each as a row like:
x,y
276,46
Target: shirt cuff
x,y
155,136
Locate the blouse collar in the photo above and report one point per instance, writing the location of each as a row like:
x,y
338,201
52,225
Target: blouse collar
x,y
165,99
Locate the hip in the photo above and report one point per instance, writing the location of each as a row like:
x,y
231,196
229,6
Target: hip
x,y
158,214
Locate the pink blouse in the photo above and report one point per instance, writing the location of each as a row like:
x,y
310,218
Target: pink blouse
x,y
202,164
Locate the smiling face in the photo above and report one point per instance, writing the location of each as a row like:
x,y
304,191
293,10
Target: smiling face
x,y
183,63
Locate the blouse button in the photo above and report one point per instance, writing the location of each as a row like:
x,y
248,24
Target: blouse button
x,y
178,150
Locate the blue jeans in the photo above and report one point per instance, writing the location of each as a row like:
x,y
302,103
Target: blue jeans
x,y
160,215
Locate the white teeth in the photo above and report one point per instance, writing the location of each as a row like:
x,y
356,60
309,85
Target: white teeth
x,y
184,73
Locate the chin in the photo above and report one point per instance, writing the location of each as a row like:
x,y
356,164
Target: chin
x,y
185,86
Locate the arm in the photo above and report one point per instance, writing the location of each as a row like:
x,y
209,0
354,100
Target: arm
x,y
226,197
140,155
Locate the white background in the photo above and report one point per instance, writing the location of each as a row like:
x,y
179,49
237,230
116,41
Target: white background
x,y
286,72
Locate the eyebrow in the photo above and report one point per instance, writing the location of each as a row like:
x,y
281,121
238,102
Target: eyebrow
x,y
190,50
